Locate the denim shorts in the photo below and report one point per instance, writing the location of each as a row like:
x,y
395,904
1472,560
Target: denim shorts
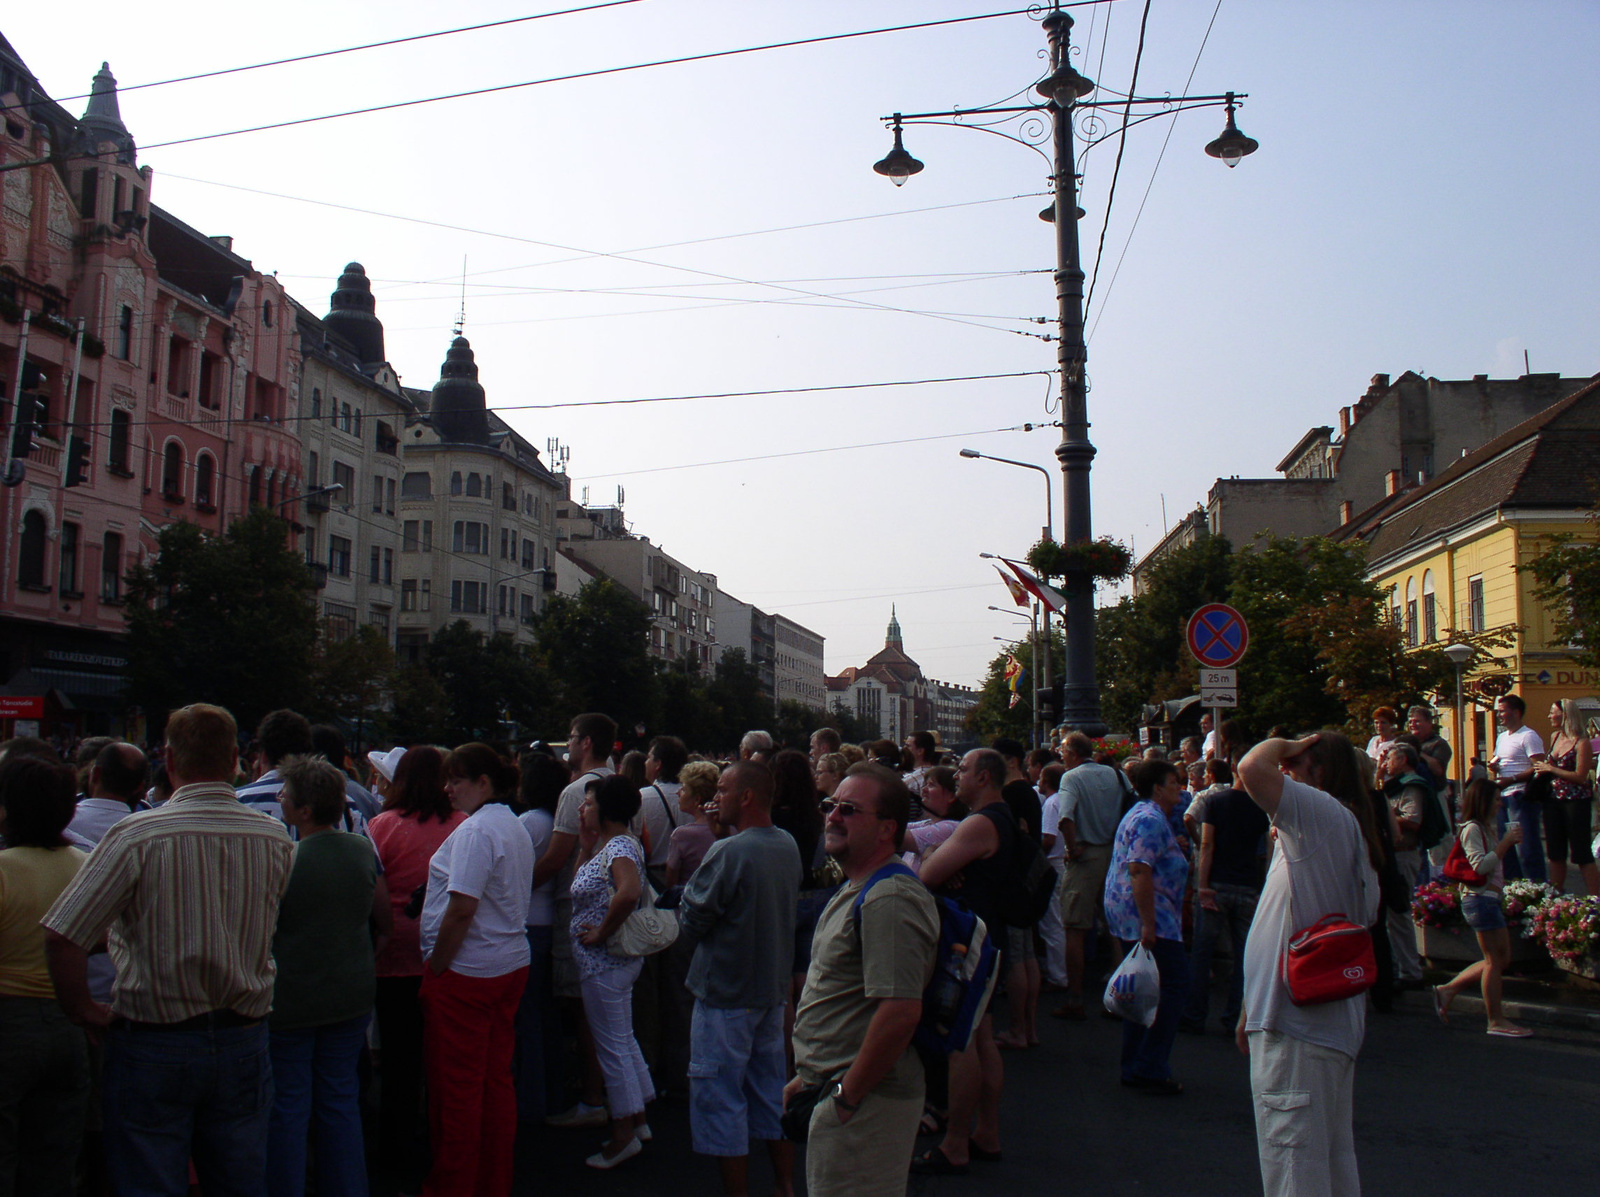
x,y
737,1070
1483,912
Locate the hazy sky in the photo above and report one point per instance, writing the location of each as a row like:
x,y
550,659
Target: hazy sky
x,y
1423,199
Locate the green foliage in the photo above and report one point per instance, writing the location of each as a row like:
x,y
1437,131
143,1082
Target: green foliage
x,y
735,690
1567,570
597,656
225,619
421,708
851,727
994,715
350,677
493,687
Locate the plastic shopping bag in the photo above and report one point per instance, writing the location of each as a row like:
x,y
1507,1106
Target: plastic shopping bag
x,y
1134,990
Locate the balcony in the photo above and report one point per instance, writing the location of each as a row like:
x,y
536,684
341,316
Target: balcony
x,y
319,575
317,502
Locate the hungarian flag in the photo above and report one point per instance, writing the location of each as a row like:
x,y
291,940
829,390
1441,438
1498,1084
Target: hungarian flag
x,y
1014,675
1018,594
1054,601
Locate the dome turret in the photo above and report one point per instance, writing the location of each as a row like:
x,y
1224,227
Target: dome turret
x,y
352,314
460,412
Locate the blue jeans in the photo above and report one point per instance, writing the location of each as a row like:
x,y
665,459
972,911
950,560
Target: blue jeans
x,y
1147,1051
1527,860
170,1095
315,1077
1238,903
538,1059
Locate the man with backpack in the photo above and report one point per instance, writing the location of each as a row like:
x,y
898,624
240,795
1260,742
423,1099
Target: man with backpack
x,y
872,957
975,866
1409,794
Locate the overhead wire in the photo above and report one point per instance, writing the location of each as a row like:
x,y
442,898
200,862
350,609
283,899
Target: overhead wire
x,y
1116,169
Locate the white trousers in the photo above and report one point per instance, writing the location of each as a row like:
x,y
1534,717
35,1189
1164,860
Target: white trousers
x,y
608,1004
1304,1132
1055,943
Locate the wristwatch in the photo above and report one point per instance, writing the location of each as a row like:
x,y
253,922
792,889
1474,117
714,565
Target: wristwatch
x,y
838,1099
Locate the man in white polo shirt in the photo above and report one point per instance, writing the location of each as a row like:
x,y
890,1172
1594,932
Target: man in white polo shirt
x,y
1515,751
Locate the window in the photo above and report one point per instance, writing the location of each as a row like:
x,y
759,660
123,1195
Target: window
x,y
177,372
503,597
474,486
508,545
408,536
208,381
345,476
117,453
316,403
1411,613
266,312
339,557
358,422
470,537
508,496
388,496
111,569
69,560
455,483
527,502
377,494
172,471
1475,620
527,608
408,594
1430,609
313,471
416,486
30,562
388,567
125,333
344,416
470,598
341,620
205,471
380,620
387,442
527,553
311,546
376,566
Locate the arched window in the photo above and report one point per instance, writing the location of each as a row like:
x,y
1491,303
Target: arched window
x,y
255,485
30,564
266,312
172,471
1430,609
205,470
272,489
455,483
1411,612
474,486
117,452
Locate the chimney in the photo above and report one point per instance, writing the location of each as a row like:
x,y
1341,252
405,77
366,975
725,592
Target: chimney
x,y
1380,382
1346,512
1344,421
1391,483
224,240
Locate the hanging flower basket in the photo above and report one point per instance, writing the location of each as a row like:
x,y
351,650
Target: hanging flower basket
x,y
1106,559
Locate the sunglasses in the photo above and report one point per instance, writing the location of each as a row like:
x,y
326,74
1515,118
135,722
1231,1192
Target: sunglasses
x,y
845,809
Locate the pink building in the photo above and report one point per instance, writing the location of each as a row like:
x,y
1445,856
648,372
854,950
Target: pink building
x,y
175,398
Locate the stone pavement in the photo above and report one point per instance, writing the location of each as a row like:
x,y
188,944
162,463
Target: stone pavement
x,y
1438,1111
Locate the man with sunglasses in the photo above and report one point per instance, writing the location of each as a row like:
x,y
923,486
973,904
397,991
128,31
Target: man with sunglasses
x,y
863,997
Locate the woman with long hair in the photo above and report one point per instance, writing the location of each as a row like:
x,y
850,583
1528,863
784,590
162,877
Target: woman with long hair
x,y
474,967
416,818
1570,809
944,811
1481,906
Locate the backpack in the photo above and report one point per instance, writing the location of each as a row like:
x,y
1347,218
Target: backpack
x,y
1031,881
964,972
1435,822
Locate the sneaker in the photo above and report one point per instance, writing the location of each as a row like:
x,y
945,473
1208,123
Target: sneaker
x,y
642,1132
581,1114
603,1161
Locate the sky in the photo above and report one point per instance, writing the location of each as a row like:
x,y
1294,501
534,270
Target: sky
x,y
1422,199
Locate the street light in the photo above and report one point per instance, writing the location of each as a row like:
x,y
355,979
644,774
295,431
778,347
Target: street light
x,y
1065,90
321,490
1459,655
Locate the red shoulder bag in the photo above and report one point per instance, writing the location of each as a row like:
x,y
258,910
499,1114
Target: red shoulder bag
x,y
1456,868
1328,961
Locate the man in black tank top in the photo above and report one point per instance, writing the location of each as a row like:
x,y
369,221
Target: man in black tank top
x,y
973,866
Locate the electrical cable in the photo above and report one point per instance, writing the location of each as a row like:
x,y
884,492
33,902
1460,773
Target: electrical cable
x,y
1116,170
1171,125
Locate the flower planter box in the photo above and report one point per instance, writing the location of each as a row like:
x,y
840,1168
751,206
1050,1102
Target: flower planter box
x,y
1459,946
1585,966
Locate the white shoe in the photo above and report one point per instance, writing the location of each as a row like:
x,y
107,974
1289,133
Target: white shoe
x,y
581,1114
642,1132
602,1161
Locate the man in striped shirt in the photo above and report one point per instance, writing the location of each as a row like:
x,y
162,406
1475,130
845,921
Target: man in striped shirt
x,y
189,896
283,734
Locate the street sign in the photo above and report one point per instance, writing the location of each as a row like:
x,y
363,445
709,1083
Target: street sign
x,y
1219,688
1217,636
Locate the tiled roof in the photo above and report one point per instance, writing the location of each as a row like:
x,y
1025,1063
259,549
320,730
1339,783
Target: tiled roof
x,y
1550,460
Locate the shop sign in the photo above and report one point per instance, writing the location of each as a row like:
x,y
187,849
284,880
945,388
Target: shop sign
x,y
21,707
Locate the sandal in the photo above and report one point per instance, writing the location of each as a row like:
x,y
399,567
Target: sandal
x,y
1441,1008
979,1153
934,1162
932,1123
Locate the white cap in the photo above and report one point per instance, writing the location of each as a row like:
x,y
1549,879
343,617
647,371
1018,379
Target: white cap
x,y
386,762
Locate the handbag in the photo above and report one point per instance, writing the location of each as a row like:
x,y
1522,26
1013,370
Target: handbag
x,y
646,931
1457,868
1541,787
1329,961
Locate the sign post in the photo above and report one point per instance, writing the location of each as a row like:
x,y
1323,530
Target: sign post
x,y
1218,637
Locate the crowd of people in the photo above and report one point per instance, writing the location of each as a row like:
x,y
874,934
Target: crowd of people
x,y
262,965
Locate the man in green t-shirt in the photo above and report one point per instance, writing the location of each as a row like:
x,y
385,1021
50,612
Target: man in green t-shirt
x,y
863,998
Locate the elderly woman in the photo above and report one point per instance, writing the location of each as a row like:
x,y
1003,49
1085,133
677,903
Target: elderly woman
x,y
697,796
322,999
44,1059
475,963
605,890
1144,905
1567,814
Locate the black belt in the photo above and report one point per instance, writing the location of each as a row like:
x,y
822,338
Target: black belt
x,y
211,1020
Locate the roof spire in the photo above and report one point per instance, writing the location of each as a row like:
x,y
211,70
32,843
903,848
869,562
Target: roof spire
x,y
894,639
102,119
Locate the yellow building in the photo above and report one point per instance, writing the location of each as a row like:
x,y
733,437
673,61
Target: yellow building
x,y
1447,551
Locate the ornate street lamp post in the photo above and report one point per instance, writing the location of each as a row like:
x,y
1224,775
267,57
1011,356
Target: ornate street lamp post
x,y
1064,91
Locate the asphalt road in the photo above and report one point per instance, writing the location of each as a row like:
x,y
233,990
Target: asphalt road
x,y
1445,1111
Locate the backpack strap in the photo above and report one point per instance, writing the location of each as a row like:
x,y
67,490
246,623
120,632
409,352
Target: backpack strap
x,y
889,870
666,808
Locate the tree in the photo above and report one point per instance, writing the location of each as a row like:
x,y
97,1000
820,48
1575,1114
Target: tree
x,y
492,686
853,728
1567,573
994,715
736,690
350,679
595,649
687,708
421,713
227,619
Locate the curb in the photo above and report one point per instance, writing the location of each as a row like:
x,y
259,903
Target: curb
x,y
1569,1018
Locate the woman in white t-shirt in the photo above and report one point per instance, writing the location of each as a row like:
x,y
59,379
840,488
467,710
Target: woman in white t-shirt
x,y
475,964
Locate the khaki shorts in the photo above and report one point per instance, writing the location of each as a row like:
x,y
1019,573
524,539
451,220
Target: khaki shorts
x,y
1083,882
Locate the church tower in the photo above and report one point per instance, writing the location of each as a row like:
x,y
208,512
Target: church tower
x,y
894,639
